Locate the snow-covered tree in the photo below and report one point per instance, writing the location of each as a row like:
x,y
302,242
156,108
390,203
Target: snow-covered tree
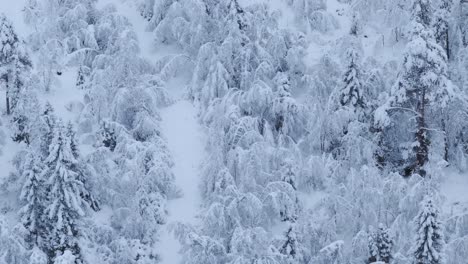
x,y
25,116
421,92
46,126
429,244
380,245
33,197
442,24
65,205
13,62
291,247
352,93
83,76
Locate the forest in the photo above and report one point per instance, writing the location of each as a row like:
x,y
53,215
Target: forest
x,y
234,131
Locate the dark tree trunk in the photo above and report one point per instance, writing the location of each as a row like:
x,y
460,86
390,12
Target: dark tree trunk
x,y
447,46
421,137
446,145
7,96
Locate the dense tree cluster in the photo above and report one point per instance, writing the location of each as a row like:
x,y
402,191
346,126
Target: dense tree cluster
x,y
328,135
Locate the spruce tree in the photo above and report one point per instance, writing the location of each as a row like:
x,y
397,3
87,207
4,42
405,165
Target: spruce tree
x,y
32,196
429,242
355,29
24,117
441,25
80,168
352,93
290,247
14,62
107,135
46,129
380,245
65,206
83,74
421,88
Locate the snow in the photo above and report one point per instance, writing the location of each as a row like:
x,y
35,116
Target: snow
x,y
311,200
454,189
64,94
186,141
9,7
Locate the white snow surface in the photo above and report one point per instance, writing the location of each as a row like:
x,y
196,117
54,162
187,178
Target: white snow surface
x,y
13,9
454,189
186,142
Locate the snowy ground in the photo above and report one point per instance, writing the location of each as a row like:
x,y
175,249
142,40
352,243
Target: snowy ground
x,y
186,141
13,10
455,190
64,96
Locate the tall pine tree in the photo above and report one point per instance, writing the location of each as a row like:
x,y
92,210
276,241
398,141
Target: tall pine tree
x,y
441,25
421,91
14,62
65,205
47,122
32,195
429,243
380,245
352,93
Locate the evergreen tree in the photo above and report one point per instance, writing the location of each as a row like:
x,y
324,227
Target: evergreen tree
x,y
290,247
429,244
80,168
421,92
441,25
107,135
46,129
83,75
13,62
355,25
65,206
352,93
32,195
24,117
288,173
71,134
380,245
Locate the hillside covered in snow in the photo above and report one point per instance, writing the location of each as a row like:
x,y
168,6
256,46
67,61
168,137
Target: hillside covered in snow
x,y
233,131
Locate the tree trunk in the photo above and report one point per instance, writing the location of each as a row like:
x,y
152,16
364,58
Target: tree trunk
x,y
446,147
447,46
7,96
8,105
421,137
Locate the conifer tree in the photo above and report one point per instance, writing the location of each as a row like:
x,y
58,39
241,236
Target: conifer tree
x,y
13,62
429,243
441,25
421,89
107,135
290,247
46,129
65,206
352,93
32,195
355,25
380,245
80,168
24,117
83,74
